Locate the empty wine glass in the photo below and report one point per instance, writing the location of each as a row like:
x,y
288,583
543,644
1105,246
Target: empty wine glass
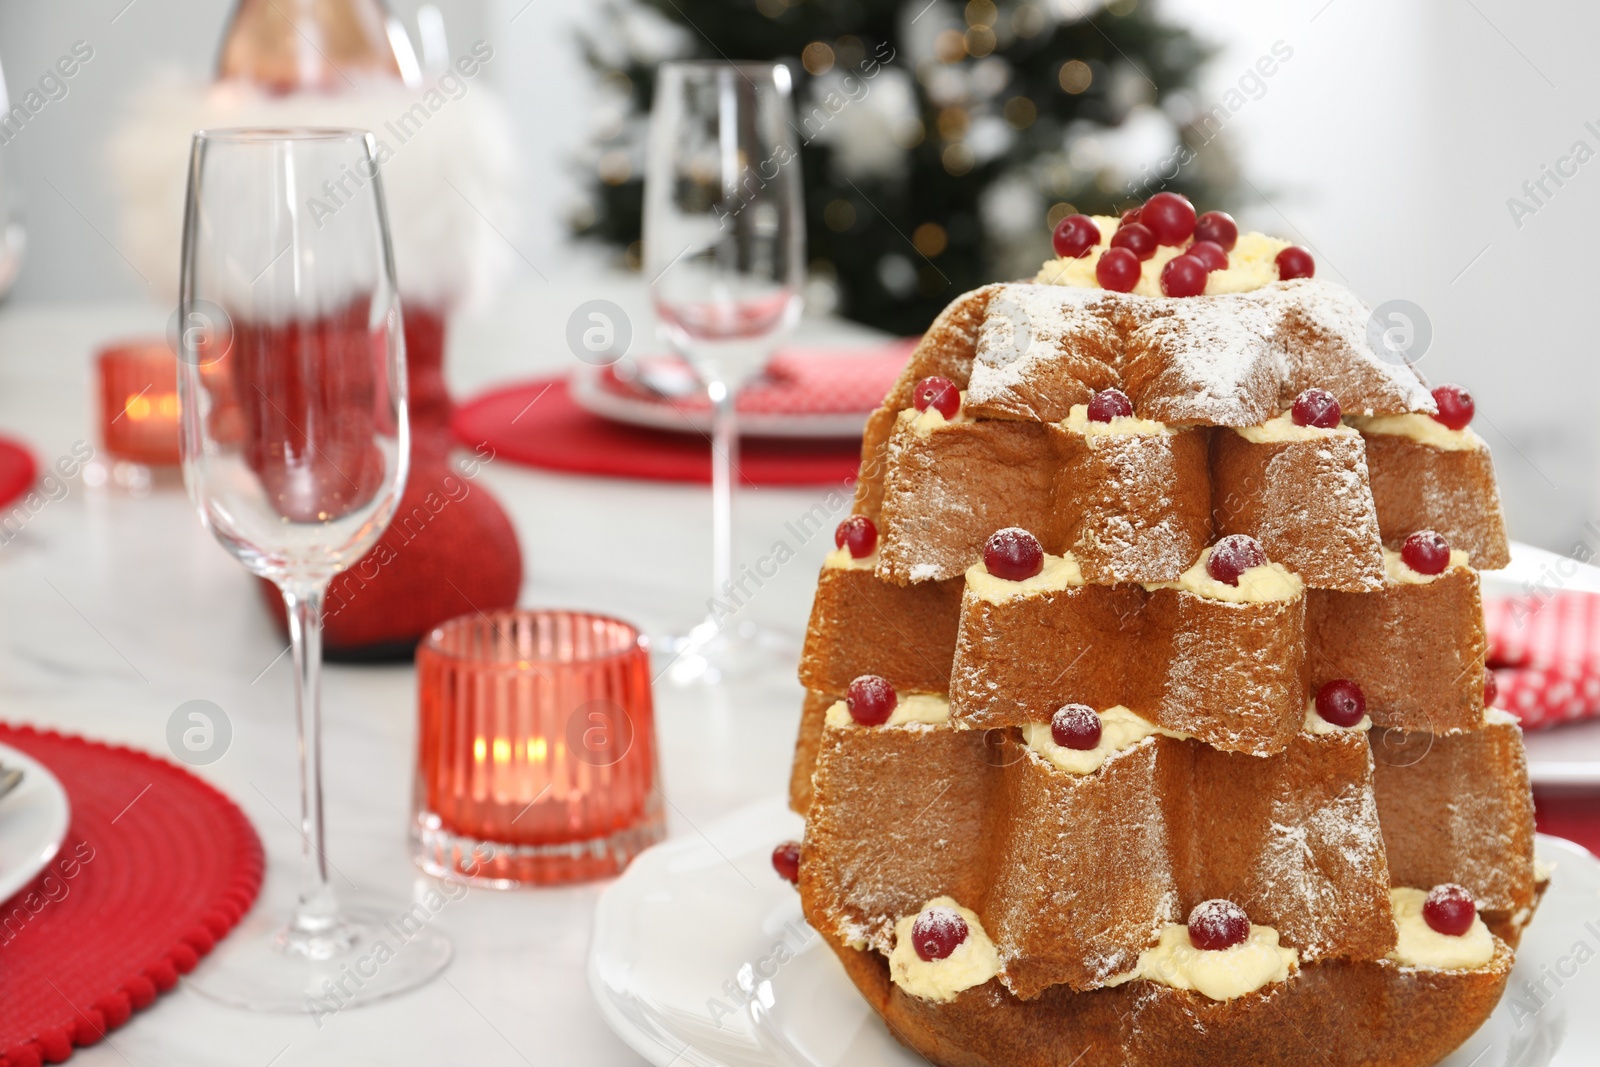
x,y
724,247
295,443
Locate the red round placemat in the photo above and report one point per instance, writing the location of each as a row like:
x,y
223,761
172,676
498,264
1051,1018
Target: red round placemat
x,y
17,470
537,423
157,865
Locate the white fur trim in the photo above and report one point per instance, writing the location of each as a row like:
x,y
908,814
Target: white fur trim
x,y
447,250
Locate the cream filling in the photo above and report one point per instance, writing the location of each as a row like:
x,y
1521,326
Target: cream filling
x,y
1284,428
926,422
1252,263
1316,724
1419,945
1221,974
1120,730
1058,573
1423,428
1270,581
1078,422
841,559
973,962
1499,717
1400,573
927,709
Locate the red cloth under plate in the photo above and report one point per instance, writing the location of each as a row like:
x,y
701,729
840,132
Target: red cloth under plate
x,y
1545,652
17,470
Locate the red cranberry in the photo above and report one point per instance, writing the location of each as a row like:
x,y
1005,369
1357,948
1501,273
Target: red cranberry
x,y
1117,270
1232,556
786,861
1341,702
1109,404
1295,262
1455,406
1075,235
1169,216
938,932
1425,552
1136,238
1316,407
1449,909
1076,726
1218,227
939,393
1210,254
1013,554
1491,688
858,534
1183,276
1218,924
870,700
1129,217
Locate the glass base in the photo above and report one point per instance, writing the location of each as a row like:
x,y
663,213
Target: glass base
x,y
383,948
711,654
446,854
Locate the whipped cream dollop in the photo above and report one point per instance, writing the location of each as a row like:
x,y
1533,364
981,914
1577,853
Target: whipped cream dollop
x,y
1397,570
1251,264
1058,573
1316,724
925,422
1424,428
1078,422
1268,582
927,709
1221,974
973,962
1419,945
1284,428
1120,730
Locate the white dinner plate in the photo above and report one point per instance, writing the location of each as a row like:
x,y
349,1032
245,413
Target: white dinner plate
x,y
588,393
700,958
33,821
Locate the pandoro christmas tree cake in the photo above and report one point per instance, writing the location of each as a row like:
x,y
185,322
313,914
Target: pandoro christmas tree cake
x,y
1147,718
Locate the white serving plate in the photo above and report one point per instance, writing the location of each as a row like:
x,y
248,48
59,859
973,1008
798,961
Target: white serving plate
x,y
33,822
589,394
700,958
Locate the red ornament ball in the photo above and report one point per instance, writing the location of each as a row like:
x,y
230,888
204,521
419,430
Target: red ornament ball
x,y
1170,217
1183,276
938,932
1109,404
858,534
1075,726
1117,270
870,700
1455,406
1013,554
1136,238
1210,254
939,393
1449,909
1295,262
1316,407
1218,227
786,861
1218,924
1232,556
1341,702
1075,235
1425,552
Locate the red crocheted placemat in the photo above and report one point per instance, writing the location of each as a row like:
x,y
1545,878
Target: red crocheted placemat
x,y
537,423
17,470
157,865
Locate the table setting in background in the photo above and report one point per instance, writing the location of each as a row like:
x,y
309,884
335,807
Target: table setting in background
x,y
582,658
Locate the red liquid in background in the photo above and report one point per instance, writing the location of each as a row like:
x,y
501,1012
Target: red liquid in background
x,y
310,402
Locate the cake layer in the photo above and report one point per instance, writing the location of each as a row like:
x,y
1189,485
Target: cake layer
x,y
812,712
1417,486
861,624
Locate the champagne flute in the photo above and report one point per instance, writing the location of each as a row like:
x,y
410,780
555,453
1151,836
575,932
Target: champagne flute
x,y
724,237
295,442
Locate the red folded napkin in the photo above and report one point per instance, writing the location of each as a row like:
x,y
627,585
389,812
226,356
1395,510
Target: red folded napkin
x,y
1545,653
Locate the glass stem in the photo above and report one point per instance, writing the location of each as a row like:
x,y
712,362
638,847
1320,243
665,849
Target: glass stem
x,y
724,468
317,914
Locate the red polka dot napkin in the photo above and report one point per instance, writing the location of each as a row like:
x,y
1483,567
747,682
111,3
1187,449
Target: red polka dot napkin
x,y
1545,653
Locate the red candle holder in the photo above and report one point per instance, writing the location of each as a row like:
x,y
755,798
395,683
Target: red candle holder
x,y
536,752
139,403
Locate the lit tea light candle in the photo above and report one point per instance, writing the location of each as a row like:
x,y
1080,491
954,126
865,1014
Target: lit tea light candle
x,y
139,403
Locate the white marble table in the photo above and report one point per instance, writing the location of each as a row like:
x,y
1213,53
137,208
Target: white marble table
x,y
115,610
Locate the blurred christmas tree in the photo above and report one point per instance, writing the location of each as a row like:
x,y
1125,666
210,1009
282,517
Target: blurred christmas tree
x,y
940,142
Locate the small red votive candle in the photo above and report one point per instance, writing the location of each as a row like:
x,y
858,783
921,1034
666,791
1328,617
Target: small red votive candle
x,y
139,403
